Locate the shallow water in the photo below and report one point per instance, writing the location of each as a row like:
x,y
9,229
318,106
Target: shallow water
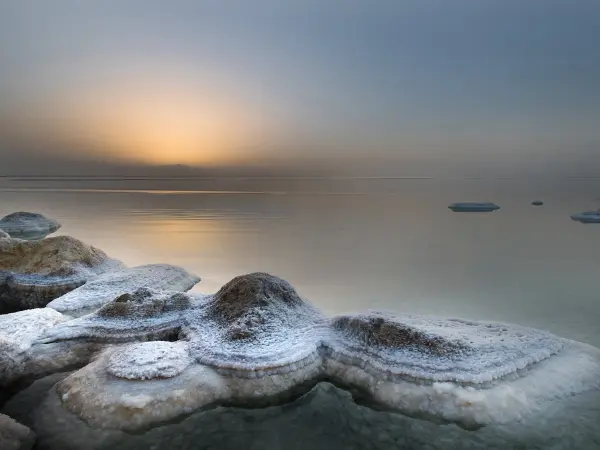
x,y
353,244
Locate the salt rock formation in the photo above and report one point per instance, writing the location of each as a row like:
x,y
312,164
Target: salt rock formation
x,y
257,342
22,359
105,288
4,235
14,436
32,273
587,217
473,207
26,225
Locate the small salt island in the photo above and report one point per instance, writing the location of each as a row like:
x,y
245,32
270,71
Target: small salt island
x,y
473,207
587,217
27,225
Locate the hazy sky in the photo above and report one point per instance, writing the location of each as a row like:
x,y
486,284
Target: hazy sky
x,y
430,82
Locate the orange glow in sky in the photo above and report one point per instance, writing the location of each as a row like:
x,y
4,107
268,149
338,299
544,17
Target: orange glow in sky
x,y
154,122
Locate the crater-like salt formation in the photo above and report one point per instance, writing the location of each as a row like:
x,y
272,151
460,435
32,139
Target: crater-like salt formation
x,y
32,273
27,225
105,288
256,342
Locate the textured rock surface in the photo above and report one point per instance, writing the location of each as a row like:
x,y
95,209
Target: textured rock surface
x,y
107,287
26,225
32,273
21,358
4,235
14,436
324,419
256,341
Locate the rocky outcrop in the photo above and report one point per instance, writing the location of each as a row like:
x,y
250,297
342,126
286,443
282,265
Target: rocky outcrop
x,y
108,286
32,273
257,342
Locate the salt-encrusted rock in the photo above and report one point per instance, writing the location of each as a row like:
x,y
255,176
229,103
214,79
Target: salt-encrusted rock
x,y
473,207
26,225
32,273
14,436
587,217
21,358
105,288
325,418
4,235
143,315
257,341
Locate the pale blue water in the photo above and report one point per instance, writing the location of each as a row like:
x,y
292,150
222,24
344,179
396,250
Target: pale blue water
x,y
353,244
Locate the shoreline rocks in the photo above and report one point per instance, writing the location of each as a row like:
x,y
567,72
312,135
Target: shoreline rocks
x,y
32,273
106,287
256,341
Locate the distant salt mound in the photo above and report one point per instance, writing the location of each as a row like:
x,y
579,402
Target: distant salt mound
x,y
473,207
257,342
107,287
587,217
32,273
26,225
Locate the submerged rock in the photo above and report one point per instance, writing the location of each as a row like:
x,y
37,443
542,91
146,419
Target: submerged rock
x,y
587,217
257,342
106,287
32,273
473,207
14,436
26,225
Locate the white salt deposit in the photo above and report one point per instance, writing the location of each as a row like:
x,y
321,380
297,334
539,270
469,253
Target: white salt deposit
x,y
107,287
149,360
257,339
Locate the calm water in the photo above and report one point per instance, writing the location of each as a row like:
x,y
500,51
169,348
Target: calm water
x,y
351,245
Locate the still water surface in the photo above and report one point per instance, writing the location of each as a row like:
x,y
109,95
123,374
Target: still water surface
x,y
353,244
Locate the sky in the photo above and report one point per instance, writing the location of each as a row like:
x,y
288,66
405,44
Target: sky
x,y
405,87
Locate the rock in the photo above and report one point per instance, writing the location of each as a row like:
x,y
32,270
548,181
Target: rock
x,y
587,217
32,273
473,207
20,358
26,225
4,235
257,342
107,287
14,436
537,203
